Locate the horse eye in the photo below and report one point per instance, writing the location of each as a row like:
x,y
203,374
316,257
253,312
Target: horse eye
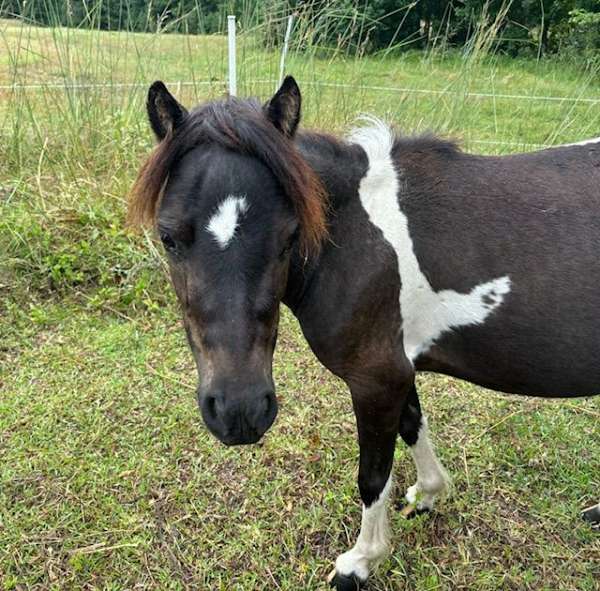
x,y
168,242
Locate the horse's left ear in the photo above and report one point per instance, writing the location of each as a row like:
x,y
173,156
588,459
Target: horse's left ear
x,y
283,110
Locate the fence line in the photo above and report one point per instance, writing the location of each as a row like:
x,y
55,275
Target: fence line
x,y
188,83
453,92
398,89
513,144
67,86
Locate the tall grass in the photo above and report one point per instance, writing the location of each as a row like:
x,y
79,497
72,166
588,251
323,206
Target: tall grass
x,y
92,83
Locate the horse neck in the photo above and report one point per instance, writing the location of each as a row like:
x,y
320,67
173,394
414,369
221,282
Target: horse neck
x,y
339,166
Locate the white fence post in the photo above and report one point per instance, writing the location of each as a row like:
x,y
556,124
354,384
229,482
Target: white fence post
x,y
286,43
231,51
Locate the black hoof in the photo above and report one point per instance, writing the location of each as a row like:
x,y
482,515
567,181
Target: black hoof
x,y
344,583
592,515
410,511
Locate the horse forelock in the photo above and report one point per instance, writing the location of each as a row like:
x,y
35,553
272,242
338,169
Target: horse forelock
x,y
241,126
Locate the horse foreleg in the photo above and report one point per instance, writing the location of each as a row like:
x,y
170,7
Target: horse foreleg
x,y
431,476
377,415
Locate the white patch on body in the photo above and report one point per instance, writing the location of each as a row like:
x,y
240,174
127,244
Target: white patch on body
x,y
373,541
595,140
426,314
224,222
431,476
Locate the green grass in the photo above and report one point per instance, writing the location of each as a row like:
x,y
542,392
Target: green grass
x,y
108,479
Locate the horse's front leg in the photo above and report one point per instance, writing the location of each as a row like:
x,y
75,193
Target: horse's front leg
x,y
377,408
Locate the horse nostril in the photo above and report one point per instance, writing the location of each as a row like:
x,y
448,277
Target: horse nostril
x,y
211,406
214,405
270,404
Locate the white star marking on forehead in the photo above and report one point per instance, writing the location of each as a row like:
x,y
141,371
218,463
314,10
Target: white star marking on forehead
x,y
224,222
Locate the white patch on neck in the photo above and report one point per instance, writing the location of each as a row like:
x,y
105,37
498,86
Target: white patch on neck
x,y
426,314
224,222
595,140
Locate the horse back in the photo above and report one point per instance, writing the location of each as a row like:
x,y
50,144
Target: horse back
x,y
534,219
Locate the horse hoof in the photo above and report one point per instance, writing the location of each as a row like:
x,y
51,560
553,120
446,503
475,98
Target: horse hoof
x,y
345,583
592,516
410,511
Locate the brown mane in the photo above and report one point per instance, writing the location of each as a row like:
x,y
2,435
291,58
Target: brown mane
x,y
238,125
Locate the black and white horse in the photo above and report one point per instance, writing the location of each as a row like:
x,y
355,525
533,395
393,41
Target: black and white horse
x,y
396,254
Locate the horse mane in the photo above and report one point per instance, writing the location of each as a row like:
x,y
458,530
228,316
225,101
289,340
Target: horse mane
x,y
429,142
238,125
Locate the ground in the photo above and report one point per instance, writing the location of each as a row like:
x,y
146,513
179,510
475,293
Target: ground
x,y
108,478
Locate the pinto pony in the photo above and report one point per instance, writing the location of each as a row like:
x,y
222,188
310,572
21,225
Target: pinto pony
x,y
396,254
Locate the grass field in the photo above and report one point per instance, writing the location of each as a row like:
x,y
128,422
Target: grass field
x,y
109,480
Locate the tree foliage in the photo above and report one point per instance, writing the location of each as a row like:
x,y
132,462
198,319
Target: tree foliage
x,y
522,26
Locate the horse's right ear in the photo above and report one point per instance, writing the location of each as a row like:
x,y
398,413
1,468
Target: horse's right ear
x,y
164,112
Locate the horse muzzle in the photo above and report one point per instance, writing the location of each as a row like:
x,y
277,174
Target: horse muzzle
x,y
238,419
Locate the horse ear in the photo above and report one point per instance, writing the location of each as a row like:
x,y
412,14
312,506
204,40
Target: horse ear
x,y
164,112
283,110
